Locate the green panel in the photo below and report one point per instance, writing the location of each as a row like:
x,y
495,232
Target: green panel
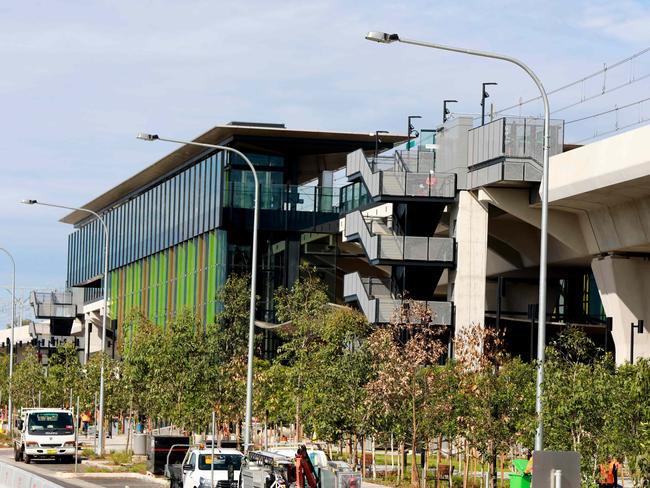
x,y
113,277
153,286
128,289
163,283
180,277
211,291
191,274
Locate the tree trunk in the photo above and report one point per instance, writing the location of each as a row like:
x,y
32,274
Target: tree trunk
x,y
350,457
492,468
386,462
426,463
298,426
467,461
501,469
438,460
363,456
414,465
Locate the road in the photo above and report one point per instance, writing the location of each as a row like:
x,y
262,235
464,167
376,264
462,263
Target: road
x,y
49,470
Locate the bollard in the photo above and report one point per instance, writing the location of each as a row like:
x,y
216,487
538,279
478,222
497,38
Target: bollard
x,y
557,478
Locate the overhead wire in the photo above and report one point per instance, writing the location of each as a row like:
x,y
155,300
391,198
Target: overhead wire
x,y
615,109
604,70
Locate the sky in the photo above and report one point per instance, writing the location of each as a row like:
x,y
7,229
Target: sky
x,y
81,78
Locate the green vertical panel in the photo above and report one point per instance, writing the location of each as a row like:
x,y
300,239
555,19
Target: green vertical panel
x,y
153,286
180,277
191,274
113,277
211,272
163,283
128,289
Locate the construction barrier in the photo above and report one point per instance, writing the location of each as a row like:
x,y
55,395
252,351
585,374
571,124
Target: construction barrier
x,y
14,477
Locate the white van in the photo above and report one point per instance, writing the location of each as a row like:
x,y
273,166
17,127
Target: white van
x,y
45,433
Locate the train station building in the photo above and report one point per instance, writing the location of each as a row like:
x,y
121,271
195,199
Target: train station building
x,y
451,218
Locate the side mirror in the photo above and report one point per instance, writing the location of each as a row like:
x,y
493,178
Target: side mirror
x,y
188,467
19,424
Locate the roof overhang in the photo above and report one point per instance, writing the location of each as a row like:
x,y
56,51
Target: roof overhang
x,y
220,135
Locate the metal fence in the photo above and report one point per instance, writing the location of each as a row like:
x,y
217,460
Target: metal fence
x,y
516,137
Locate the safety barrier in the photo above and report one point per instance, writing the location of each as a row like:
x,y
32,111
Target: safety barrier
x,y
14,477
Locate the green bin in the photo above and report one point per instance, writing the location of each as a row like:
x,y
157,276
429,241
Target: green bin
x,y
518,479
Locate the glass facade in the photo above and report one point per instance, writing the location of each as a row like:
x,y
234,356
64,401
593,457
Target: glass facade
x,y
172,243
177,209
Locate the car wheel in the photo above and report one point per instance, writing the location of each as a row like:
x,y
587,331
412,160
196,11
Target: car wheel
x,y
27,458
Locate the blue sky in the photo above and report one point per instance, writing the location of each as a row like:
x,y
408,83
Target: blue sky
x,y
81,78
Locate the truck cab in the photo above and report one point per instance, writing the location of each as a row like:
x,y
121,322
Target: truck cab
x,y
45,433
198,463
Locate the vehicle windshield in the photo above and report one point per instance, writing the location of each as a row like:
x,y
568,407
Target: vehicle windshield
x,y
222,462
50,423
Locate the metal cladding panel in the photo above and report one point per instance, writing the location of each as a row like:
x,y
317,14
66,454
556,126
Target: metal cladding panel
x,y
441,249
513,171
532,172
442,312
416,248
393,183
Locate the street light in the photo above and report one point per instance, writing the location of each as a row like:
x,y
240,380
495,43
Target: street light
x,y
11,346
484,95
251,325
639,329
385,38
411,130
377,140
445,110
100,443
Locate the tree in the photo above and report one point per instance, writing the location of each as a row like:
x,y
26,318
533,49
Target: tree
x,y
64,375
577,391
305,305
401,354
339,370
28,379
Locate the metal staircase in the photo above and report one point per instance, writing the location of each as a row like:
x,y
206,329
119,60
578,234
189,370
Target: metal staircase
x,y
378,303
393,179
405,238
388,247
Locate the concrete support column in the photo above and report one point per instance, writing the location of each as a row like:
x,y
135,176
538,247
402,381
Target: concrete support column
x,y
469,226
624,287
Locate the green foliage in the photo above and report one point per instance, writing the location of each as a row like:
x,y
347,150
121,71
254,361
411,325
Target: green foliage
x,y
322,366
28,380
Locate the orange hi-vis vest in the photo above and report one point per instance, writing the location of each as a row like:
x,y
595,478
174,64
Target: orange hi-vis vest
x,y
607,473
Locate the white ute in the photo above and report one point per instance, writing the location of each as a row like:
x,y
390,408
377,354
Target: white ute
x,y
198,463
45,433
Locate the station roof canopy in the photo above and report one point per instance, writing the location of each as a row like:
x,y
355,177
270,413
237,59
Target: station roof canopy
x,y
247,137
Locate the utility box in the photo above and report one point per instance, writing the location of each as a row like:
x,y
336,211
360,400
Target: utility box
x,y
159,446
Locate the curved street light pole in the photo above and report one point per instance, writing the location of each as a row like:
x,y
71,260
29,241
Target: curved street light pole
x,y
251,311
100,440
385,38
11,346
